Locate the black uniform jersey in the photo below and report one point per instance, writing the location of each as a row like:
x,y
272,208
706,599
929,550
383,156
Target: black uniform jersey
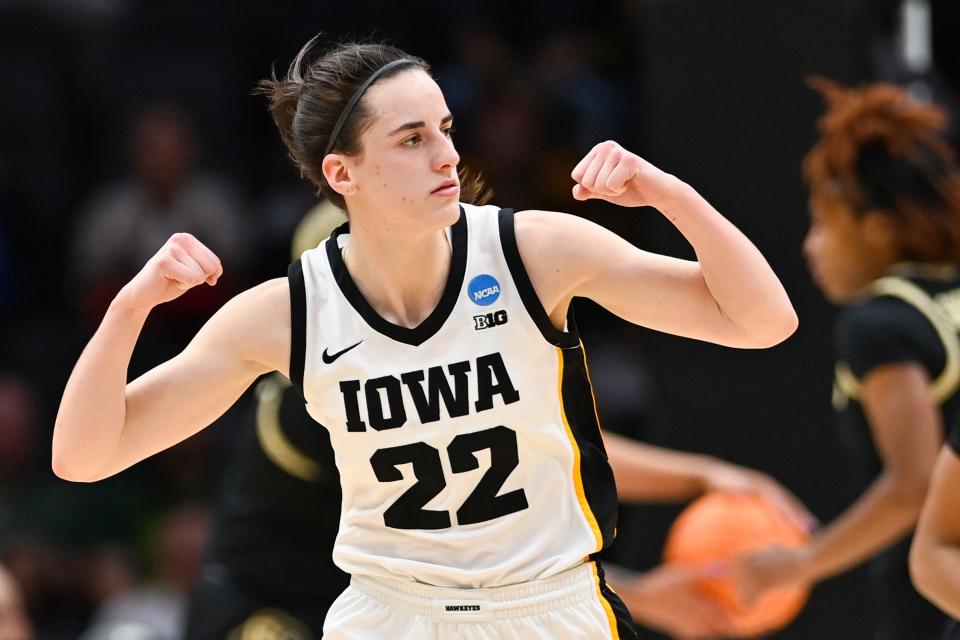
x,y
910,315
954,438
269,560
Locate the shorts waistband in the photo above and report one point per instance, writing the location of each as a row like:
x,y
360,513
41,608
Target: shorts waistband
x,y
488,603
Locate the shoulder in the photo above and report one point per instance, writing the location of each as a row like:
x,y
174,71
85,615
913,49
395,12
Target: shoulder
x,y
560,252
875,311
533,224
554,237
879,313
884,329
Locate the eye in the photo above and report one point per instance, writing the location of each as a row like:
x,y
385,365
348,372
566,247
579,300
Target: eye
x,y
412,141
449,131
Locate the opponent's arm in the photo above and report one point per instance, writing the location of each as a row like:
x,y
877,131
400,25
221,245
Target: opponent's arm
x,y
728,296
935,554
906,428
645,473
105,425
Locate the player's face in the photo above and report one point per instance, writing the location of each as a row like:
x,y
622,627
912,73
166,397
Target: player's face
x,y
408,168
840,255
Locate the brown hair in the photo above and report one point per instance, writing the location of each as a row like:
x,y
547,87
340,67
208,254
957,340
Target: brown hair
x,y
884,151
307,103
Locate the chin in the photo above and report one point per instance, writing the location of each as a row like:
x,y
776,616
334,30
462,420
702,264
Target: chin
x,y
448,214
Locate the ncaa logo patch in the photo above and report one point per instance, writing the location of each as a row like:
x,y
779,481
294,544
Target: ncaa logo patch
x,y
483,290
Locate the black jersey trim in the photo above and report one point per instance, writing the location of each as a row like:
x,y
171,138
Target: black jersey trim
x,y
953,439
521,280
298,323
432,323
580,412
622,618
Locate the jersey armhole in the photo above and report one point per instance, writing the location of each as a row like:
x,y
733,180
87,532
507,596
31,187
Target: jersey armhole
x,y
528,295
298,323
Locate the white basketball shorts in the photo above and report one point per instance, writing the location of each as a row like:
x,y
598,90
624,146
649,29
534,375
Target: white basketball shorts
x,y
574,604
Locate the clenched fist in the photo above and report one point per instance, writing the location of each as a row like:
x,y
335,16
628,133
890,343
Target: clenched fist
x,y
610,172
181,264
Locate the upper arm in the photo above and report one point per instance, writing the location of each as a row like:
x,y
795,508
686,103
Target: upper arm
x,y
567,256
249,336
905,422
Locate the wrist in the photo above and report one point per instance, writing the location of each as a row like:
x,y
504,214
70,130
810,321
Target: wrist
x,y
675,194
127,304
707,471
807,569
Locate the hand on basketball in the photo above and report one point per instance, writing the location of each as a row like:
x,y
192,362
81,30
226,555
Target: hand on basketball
x,y
721,476
777,566
610,172
181,264
668,599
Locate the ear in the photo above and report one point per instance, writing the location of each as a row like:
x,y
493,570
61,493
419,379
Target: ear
x,y
880,228
337,171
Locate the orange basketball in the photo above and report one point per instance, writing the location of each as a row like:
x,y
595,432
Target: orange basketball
x,y
723,525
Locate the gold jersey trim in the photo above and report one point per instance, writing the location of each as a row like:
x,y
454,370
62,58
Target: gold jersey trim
x,y
846,383
577,478
274,443
611,617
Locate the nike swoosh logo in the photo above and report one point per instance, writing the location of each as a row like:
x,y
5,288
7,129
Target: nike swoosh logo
x,y
331,358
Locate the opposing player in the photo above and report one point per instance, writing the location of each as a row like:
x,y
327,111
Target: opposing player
x,y
884,241
432,339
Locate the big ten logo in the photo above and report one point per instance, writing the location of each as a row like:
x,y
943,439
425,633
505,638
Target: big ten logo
x,y
489,320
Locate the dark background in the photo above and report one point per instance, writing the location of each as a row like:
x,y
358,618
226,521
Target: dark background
x,y
711,90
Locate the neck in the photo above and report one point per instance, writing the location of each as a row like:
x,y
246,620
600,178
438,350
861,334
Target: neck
x,y
401,273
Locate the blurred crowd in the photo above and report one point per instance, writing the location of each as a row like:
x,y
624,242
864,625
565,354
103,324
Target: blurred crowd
x,y
124,121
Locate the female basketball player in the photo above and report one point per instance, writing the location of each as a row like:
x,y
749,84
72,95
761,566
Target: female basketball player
x,y
935,553
884,241
432,339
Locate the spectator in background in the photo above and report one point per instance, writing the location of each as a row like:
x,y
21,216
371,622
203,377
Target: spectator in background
x,y
123,223
152,609
14,623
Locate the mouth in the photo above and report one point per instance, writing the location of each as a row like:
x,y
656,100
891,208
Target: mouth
x,y
446,189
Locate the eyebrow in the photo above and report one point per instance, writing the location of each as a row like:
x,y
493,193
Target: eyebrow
x,y
418,124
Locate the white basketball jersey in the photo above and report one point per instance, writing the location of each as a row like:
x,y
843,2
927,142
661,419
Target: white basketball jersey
x,y
468,447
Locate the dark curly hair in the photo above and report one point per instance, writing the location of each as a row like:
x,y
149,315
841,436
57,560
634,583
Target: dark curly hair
x,y
884,151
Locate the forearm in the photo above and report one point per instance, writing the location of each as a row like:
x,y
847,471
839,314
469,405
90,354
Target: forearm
x,y
93,407
880,517
738,277
935,568
651,474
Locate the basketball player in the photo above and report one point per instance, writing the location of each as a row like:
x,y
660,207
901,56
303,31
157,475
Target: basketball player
x,y
432,339
935,553
269,565
884,242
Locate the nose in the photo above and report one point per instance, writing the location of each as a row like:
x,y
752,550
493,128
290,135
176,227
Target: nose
x,y
446,156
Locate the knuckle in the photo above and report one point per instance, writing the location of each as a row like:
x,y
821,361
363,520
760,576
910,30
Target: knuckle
x,y
182,238
165,261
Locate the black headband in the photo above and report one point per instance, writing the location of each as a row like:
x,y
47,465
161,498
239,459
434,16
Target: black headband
x,y
347,110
